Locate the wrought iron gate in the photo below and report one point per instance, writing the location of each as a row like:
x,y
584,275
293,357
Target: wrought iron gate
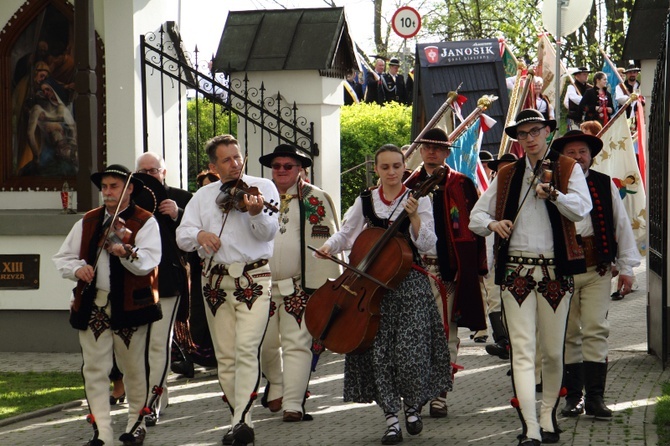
x,y
165,66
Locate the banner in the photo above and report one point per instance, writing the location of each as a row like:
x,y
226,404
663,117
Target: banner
x,y
465,152
617,159
612,80
510,61
466,52
546,68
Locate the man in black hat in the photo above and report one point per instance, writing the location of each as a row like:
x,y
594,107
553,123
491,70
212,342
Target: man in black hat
x,y
116,298
307,216
393,84
608,239
458,259
537,253
573,96
630,85
234,235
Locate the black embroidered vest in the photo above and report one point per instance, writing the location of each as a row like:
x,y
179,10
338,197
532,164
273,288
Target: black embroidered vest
x,y
602,216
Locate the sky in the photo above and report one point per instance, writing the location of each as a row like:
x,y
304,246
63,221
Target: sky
x,y
202,21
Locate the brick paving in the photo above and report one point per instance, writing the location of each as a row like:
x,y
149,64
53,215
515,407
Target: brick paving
x,y
479,409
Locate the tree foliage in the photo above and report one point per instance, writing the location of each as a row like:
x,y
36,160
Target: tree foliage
x,y
363,129
205,120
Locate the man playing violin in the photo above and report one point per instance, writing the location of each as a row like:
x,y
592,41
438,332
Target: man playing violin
x,y
533,215
115,300
458,258
306,217
235,244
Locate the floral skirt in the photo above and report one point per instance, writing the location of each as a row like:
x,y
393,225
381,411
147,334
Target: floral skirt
x,y
409,357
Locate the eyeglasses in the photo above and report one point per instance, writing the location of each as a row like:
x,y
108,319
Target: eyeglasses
x,y
152,171
532,132
287,167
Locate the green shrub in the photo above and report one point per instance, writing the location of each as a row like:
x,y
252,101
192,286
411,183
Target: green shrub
x,y
363,129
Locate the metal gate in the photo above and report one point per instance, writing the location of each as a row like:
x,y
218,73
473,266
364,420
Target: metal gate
x,y
168,73
659,143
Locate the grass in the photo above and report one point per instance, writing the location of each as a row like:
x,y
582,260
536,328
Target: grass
x,y
662,418
26,392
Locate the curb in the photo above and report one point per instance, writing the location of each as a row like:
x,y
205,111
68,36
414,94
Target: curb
x,y
41,412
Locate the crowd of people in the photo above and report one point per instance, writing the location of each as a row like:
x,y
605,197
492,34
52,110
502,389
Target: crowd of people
x,y
536,253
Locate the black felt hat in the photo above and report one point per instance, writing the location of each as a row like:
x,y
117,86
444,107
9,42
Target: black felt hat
x,y
394,62
527,116
485,156
506,158
118,171
152,194
286,150
595,144
582,70
435,136
632,69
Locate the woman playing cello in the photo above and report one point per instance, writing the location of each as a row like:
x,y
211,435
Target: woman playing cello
x,y
409,357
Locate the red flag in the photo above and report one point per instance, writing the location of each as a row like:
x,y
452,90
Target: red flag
x,y
641,142
486,122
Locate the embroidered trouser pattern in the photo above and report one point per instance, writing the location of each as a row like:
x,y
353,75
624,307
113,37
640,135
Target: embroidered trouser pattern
x,y
588,327
286,355
160,343
99,344
238,327
533,300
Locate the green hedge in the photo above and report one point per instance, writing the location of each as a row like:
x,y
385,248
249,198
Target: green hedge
x,y
363,129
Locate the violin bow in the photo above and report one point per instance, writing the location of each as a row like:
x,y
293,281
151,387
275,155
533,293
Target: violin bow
x,y
111,222
353,268
225,219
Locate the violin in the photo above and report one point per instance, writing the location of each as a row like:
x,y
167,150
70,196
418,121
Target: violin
x,y
232,197
120,234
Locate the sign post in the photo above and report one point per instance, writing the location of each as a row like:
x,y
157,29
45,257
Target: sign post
x,y
406,23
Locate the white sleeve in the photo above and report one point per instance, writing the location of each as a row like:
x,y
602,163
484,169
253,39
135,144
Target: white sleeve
x,y
484,211
67,259
576,204
148,244
628,255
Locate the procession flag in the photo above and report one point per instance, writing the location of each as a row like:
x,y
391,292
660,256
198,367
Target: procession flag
x,y
546,68
617,159
465,152
612,79
641,142
510,63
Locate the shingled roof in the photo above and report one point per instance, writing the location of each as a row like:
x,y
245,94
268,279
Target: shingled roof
x,y
286,39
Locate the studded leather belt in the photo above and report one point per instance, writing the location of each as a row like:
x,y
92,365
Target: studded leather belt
x,y
429,260
221,269
590,251
530,260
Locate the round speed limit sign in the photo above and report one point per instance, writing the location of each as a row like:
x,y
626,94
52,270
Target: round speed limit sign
x,y
406,22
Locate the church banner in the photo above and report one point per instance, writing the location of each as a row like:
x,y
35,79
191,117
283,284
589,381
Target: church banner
x,y
466,52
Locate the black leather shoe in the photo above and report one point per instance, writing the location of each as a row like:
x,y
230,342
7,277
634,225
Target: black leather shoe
x,y
184,368
228,438
596,407
498,349
136,439
549,437
96,442
414,427
113,401
573,408
392,436
242,434
529,442
151,419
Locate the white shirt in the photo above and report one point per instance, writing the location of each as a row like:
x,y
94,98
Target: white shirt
x,y
628,255
147,240
532,229
572,94
355,223
244,239
621,94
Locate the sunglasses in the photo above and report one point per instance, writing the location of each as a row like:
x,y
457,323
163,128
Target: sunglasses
x,y
287,167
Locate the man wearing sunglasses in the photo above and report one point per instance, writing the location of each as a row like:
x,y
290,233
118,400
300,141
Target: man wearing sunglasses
x,y
537,254
306,217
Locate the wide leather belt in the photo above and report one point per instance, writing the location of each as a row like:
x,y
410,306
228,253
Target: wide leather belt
x,y
530,260
429,260
221,269
590,251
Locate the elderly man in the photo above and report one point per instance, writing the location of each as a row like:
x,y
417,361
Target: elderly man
x,y
306,217
173,280
234,233
116,298
373,83
537,253
608,239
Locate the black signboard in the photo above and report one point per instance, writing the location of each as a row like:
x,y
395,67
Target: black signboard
x,y
465,52
19,271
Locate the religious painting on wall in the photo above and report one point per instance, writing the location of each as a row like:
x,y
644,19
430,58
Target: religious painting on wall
x,y
38,133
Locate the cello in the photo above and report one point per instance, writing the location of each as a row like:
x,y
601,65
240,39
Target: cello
x,y
344,313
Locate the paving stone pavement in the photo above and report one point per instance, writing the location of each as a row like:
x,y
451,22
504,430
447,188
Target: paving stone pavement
x,y
479,409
